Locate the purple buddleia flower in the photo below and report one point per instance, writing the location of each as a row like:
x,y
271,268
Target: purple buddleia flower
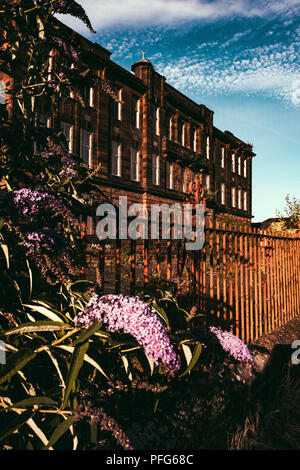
x,y
232,344
106,423
66,48
131,315
47,250
72,8
30,203
68,167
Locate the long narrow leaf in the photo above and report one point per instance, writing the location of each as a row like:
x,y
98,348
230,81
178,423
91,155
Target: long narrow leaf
x,y
196,354
42,325
16,423
76,364
29,402
16,362
87,333
87,359
60,431
6,253
45,311
161,312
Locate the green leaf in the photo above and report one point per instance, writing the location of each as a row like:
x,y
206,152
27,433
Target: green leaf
x,y
126,366
16,362
196,354
188,353
42,325
29,402
16,423
87,359
60,430
52,314
30,278
87,333
6,253
76,364
161,312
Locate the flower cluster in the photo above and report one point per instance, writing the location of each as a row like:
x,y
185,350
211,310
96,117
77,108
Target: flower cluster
x,y
131,315
67,49
68,167
47,250
106,423
30,203
232,344
72,8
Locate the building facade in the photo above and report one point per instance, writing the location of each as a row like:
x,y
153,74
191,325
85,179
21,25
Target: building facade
x,y
153,141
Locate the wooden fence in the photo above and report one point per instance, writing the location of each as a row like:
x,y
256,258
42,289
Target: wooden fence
x,y
245,277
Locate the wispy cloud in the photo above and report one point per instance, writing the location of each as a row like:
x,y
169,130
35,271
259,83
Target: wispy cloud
x,y
270,70
106,14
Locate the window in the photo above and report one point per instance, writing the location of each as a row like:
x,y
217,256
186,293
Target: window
x,y
183,135
222,157
207,181
245,201
135,112
169,175
86,146
245,168
156,120
223,193
180,131
67,130
117,105
88,95
239,165
169,130
233,162
233,197
116,159
194,139
207,147
155,169
135,164
239,198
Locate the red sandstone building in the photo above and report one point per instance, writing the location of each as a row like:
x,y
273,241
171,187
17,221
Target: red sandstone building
x,y
154,141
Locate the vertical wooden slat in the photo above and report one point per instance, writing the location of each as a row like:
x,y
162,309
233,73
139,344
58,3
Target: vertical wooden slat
x,y
218,268
146,262
211,266
255,281
157,266
260,267
169,260
296,256
236,282
242,300
224,262
246,275
251,319
118,266
132,266
203,263
276,285
264,274
230,243
268,282
282,256
280,281
291,278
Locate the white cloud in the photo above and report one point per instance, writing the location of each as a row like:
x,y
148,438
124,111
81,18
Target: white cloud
x,y
270,71
105,13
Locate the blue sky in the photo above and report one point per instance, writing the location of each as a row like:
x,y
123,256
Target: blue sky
x,y
238,57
